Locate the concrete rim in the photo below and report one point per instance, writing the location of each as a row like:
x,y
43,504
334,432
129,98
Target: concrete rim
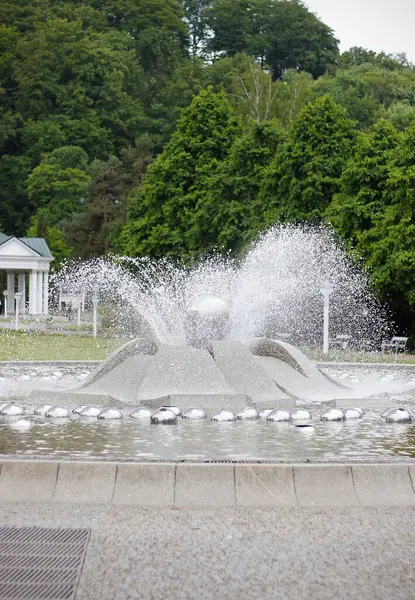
x,y
172,484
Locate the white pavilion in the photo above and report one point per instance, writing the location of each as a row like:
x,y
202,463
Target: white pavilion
x,y
22,258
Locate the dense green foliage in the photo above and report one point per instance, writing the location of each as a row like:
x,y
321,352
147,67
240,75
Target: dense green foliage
x,y
176,127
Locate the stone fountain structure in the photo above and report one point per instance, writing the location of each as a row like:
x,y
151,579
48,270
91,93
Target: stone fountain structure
x,y
209,371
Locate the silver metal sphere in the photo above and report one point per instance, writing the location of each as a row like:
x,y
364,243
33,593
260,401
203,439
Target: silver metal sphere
x,y
141,413
387,411
21,425
110,413
42,409
78,409
90,411
264,412
10,410
359,409
300,414
59,412
333,414
247,413
175,409
194,413
279,416
207,319
164,416
352,413
222,414
398,415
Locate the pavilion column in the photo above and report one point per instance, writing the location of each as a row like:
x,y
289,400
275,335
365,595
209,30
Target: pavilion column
x,y
33,292
22,288
40,292
10,291
45,292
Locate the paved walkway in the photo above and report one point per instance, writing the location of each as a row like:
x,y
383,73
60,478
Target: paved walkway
x,y
236,554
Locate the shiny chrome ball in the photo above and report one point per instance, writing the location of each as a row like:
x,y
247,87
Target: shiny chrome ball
x,y
387,411
78,409
264,412
247,413
194,413
352,413
279,416
300,414
222,414
21,425
164,416
11,410
141,413
333,414
90,411
398,415
42,409
110,413
57,411
175,409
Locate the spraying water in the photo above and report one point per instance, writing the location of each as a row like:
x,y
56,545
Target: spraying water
x,y
273,290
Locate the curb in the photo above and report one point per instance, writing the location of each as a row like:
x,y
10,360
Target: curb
x,y
207,485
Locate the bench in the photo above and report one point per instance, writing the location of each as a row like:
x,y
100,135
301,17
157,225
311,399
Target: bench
x,y
396,344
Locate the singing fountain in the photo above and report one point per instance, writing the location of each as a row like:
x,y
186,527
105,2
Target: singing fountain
x,y
212,339
213,331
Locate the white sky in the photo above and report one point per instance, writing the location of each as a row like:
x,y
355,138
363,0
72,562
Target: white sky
x,y
387,25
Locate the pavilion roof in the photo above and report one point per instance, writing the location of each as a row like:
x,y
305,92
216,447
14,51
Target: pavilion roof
x,y
39,245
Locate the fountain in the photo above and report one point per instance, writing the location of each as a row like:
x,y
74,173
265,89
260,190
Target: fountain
x,y
216,335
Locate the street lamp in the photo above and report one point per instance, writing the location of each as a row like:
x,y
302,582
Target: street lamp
x,y
326,290
94,318
17,297
5,294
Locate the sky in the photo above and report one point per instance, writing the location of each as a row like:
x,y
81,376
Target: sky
x,y
378,25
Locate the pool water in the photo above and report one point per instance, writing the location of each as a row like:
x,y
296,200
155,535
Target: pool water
x,y
366,439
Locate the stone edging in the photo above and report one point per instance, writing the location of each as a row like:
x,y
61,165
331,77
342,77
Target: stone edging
x,y
206,485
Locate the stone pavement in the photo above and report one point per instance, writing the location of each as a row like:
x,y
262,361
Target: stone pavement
x,y
236,553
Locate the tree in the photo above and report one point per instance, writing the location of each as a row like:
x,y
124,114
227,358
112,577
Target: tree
x,y
172,213
363,182
238,215
59,183
367,90
306,171
376,211
281,34
95,230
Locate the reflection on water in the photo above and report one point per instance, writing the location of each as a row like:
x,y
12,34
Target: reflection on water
x,y
361,440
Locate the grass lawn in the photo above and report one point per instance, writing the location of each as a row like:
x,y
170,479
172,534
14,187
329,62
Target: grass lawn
x,y
25,345
358,356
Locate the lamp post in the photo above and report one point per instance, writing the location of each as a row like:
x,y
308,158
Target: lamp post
x,y
5,294
94,317
17,298
326,290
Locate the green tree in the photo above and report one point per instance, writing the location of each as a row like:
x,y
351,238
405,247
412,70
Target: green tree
x,y
172,213
306,171
283,35
367,90
238,215
59,183
95,230
40,226
363,182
